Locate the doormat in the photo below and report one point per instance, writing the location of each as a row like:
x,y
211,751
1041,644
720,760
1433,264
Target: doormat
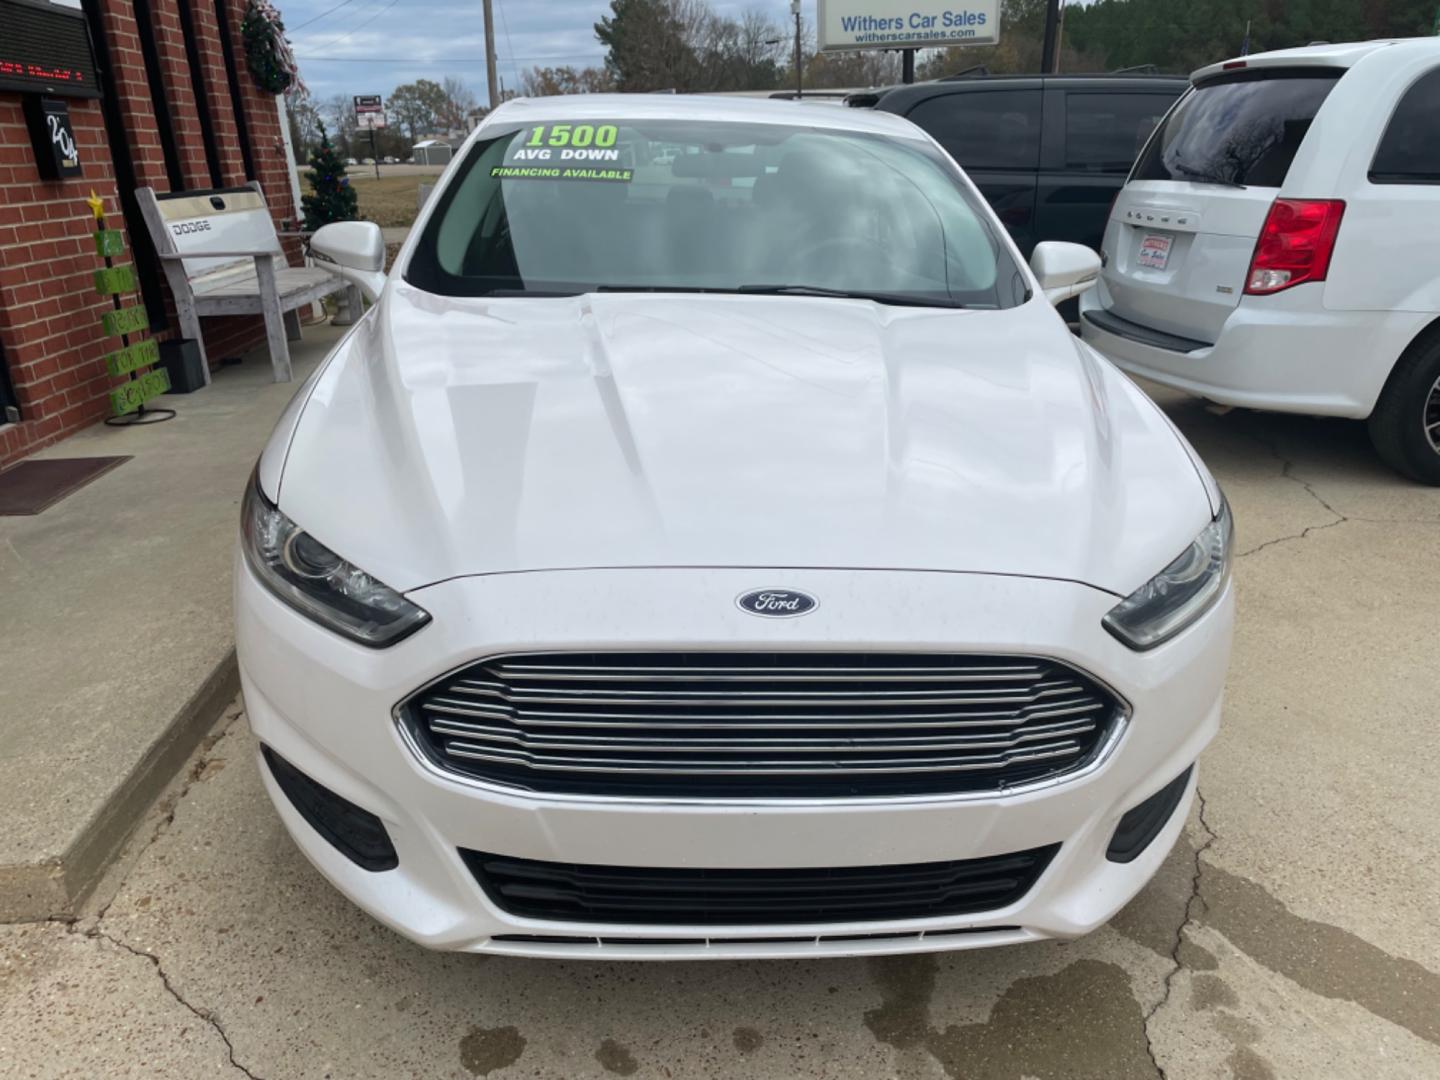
x,y
31,486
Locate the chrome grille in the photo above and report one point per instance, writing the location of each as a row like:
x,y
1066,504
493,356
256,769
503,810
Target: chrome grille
x,y
761,724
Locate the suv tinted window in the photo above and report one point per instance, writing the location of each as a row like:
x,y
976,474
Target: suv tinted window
x,y
1105,132
1410,149
1238,129
985,129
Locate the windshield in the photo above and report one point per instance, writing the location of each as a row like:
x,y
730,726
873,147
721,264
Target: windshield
x,y
553,208
1241,129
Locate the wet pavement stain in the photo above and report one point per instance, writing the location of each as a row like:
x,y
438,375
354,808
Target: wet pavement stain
x,y
747,1040
902,1019
1323,959
1244,1062
484,1050
1211,992
1151,918
615,1058
1090,1001
1195,957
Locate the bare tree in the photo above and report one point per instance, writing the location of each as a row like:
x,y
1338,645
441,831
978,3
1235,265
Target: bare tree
x,y
554,81
460,102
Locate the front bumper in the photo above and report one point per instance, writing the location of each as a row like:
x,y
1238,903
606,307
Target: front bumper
x,y
325,705
1283,353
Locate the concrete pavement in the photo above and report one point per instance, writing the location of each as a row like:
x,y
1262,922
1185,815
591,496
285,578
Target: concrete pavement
x,y
118,651
1292,933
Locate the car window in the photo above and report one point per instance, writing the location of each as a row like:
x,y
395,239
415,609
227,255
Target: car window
x,y
710,206
1409,151
985,129
1238,129
1105,132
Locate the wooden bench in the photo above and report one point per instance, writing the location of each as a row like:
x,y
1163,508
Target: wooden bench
x,y
222,257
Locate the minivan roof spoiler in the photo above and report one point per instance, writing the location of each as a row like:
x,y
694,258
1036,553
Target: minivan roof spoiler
x,y
1342,55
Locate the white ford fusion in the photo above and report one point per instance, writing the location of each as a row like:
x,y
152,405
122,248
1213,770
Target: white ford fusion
x,y
712,543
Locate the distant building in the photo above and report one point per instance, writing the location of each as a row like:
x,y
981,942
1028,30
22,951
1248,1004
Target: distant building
x,y
433,152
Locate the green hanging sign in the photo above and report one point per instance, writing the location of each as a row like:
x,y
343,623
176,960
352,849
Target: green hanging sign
x,y
114,279
133,357
129,396
109,243
141,354
130,320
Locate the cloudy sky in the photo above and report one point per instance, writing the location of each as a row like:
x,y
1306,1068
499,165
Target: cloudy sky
x,y
371,46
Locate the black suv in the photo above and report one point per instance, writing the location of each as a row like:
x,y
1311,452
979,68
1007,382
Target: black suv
x,y
1048,151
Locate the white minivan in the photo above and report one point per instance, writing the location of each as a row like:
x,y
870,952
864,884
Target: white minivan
x,y
1276,243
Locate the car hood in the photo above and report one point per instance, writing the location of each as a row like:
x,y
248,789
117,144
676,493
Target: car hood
x,y
448,437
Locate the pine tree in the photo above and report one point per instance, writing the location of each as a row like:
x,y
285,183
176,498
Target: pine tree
x,y
332,198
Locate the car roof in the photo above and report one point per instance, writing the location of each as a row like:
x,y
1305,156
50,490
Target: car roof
x,y
914,92
1343,54
698,107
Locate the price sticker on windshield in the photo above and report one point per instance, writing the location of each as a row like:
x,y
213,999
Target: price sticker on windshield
x,y
1154,251
565,152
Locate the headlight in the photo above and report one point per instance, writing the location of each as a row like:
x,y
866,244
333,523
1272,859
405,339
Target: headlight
x,y
318,583
1179,594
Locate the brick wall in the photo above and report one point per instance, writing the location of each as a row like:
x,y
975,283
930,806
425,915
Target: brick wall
x,y
49,312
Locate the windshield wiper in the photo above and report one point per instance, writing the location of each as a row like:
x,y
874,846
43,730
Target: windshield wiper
x,y
544,293
898,299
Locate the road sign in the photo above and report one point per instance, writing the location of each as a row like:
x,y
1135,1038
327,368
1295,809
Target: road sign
x,y
907,24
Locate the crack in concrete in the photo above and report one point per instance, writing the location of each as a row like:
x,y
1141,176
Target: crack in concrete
x,y
1294,536
1193,908
169,801
205,1015
1287,472
90,927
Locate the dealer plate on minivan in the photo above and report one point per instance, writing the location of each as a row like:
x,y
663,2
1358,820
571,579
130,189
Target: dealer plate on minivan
x,y
1154,251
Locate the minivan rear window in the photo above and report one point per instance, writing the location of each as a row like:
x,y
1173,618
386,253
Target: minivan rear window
x,y
1237,129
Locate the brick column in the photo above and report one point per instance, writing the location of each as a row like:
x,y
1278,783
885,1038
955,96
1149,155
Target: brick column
x,y
222,111
135,107
185,111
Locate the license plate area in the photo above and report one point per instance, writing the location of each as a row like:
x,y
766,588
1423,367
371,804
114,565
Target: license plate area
x,y
1154,251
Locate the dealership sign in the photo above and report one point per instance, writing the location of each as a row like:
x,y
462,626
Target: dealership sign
x,y
907,24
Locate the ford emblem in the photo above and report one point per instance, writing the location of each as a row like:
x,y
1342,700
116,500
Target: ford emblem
x,y
777,603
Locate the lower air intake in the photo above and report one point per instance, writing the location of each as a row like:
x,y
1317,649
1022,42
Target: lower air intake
x,y
653,896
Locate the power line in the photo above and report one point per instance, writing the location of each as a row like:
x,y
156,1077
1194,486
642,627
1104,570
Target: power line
x,y
510,47
357,29
317,18
435,59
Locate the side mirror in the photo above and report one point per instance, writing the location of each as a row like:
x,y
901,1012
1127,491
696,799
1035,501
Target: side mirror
x,y
355,250
1063,270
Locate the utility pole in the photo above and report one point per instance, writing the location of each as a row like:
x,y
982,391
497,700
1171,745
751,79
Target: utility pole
x,y
799,68
1049,50
490,77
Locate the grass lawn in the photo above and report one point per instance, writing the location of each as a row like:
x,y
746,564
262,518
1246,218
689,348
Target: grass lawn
x,y
389,201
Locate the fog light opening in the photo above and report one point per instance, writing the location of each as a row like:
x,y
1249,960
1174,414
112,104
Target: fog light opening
x,y
1141,824
357,834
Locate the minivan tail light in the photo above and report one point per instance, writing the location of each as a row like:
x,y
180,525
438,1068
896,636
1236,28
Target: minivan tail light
x,y
1294,245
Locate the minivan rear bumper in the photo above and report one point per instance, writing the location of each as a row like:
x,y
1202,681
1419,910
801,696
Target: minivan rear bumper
x,y
1284,353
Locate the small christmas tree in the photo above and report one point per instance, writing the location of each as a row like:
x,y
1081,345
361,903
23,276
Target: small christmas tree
x,y
332,198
